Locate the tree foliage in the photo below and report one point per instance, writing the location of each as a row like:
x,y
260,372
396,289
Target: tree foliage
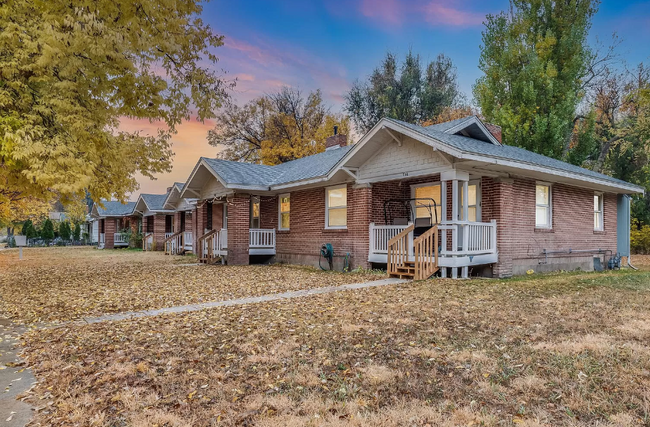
x,y
64,231
76,234
406,92
29,230
70,70
275,128
47,231
536,63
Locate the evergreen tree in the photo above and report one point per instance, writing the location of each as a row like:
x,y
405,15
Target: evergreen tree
x,y
76,235
47,232
64,231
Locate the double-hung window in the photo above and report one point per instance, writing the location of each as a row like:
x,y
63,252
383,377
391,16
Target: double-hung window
x,y
336,207
285,209
598,212
255,213
543,206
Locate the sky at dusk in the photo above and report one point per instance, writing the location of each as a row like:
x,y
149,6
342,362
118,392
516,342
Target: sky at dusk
x,y
329,44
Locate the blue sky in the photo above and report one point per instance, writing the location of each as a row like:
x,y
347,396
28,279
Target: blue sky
x,y
328,44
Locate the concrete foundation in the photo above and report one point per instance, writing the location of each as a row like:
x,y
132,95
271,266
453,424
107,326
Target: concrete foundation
x,y
567,263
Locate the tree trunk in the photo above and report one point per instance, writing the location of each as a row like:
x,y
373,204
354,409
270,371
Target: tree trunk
x,y
604,151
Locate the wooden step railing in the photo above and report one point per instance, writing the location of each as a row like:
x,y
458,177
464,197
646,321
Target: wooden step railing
x,y
399,251
174,244
147,242
203,246
426,254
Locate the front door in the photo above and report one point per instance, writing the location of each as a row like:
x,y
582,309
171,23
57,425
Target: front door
x,y
182,226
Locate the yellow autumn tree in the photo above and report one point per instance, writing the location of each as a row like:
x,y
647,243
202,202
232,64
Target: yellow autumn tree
x,y
69,71
276,128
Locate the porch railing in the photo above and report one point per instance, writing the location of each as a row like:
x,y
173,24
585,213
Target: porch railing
x,y
212,245
102,240
473,237
188,243
120,239
168,235
147,242
174,243
260,238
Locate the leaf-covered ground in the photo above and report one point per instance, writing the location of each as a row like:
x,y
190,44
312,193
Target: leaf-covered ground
x,y
58,284
556,350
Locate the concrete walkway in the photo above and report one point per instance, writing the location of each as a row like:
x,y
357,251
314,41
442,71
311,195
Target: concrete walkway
x,y
14,377
239,301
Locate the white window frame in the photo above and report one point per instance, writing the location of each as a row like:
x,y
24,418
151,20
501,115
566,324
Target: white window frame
x,y
549,225
255,200
477,183
327,208
601,207
280,211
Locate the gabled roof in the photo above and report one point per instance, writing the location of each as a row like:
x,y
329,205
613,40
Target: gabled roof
x,y
112,208
470,146
467,138
152,202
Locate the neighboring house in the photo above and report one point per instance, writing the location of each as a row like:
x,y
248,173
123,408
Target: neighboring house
x,y
184,224
113,220
157,221
417,199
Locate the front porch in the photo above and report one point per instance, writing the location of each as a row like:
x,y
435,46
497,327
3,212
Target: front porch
x,y
476,245
213,245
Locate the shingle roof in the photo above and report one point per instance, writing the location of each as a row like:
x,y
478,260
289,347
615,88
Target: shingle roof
x,y
506,152
295,170
155,202
115,208
179,185
442,127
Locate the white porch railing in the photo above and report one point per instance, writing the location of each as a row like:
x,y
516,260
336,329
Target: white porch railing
x,y
102,240
261,238
188,243
120,239
469,243
168,235
214,245
147,242
381,234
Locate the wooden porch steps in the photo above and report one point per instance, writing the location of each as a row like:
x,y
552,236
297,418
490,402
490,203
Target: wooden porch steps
x,y
424,255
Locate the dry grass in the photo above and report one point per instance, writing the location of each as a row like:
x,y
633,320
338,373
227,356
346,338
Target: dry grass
x,y
554,350
54,284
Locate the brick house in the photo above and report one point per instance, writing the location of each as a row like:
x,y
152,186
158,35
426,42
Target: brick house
x,y
157,221
448,197
112,219
184,221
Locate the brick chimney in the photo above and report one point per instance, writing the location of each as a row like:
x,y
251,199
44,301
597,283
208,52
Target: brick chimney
x,y
337,140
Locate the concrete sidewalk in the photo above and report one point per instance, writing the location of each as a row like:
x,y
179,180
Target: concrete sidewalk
x,y
15,378
239,301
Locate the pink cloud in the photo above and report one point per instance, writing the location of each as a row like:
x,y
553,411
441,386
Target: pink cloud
x,y
388,11
436,12
188,144
441,13
255,53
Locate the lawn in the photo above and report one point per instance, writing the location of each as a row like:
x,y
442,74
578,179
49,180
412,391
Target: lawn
x,y
555,350
59,284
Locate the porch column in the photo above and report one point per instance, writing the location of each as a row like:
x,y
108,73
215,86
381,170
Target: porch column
x,y
238,229
455,176
199,220
443,219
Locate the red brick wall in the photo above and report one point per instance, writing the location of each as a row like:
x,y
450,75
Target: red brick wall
x,y
301,244
109,229
512,204
159,231
238,225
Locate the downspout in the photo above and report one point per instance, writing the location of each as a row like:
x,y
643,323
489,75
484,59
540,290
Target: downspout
x,y
629,223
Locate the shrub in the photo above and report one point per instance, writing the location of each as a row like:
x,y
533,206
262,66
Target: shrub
x,y
640,238
135,240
